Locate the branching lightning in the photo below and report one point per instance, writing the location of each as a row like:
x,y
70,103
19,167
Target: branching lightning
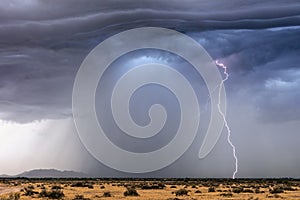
x,y
224,117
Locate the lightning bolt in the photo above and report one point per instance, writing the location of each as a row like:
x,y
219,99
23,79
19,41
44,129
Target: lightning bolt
x,y
224,117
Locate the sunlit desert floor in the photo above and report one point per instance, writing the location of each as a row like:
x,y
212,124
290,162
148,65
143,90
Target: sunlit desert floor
x,y
77,189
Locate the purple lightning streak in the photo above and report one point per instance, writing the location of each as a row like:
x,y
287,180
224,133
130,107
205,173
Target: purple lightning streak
x,y
224,117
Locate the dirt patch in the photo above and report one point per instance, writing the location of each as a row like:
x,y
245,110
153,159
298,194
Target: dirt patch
x,y
6,190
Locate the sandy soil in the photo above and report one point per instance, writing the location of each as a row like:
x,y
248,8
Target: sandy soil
x,y
196,189
7,190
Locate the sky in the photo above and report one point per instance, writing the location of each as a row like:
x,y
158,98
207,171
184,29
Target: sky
x,y
43,43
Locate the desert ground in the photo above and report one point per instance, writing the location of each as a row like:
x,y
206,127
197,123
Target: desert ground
x,y
167,189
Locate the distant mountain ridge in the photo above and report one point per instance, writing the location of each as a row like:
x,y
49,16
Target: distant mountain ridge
x,y
49,173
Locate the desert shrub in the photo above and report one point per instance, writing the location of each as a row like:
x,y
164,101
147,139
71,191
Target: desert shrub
x,y
56,187
181,192
161,186
194,186
237,190
29,192
56,194
30,187
226,194
288,188
173,186
198,191
264,186
43,193
131,192
153,186
146,187
78,184
277,196
211,189
102,187
107,194
53,194
247,190
80,197
276,190
82,184
252,198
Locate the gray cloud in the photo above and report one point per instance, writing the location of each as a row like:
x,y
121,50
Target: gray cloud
x,y
42,44
36,21
41,49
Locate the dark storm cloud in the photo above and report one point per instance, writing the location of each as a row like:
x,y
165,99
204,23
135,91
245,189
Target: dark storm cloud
x,y
32,21
263,65
42,43
36,83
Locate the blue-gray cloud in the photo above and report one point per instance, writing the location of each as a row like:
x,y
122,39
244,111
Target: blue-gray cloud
x,y
42,44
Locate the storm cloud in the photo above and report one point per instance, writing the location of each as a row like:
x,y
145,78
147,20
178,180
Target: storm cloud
x,y
42,44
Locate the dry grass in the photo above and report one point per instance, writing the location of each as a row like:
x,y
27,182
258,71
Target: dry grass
x,y
153,189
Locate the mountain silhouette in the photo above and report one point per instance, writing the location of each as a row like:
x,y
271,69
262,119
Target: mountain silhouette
x,y
49,173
